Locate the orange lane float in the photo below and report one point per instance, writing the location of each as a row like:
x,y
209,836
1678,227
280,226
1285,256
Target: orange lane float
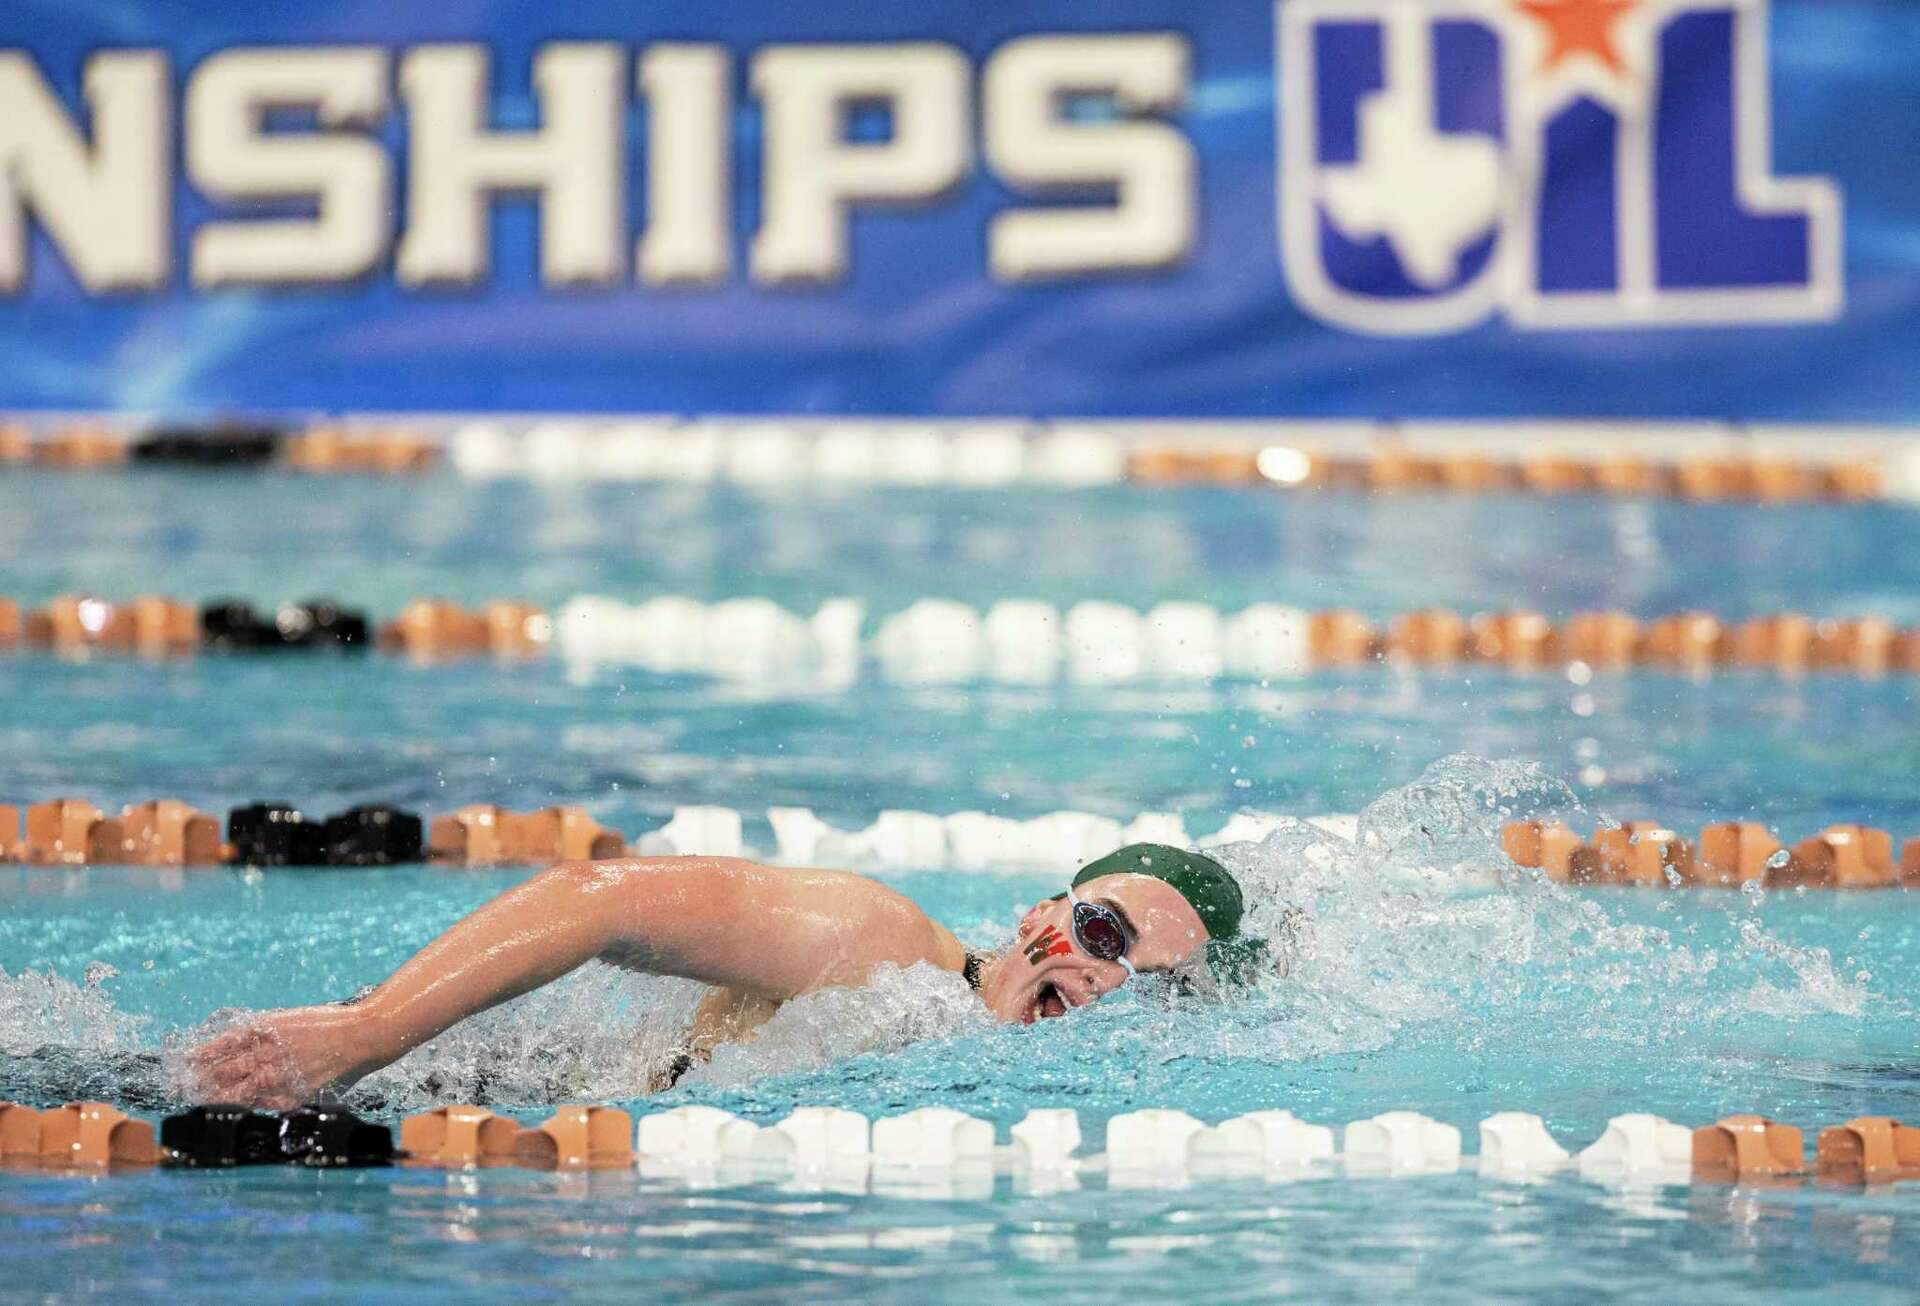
x,y
1845,857
1634,478
1194,466
81,446
1734,852
94,1134
1642,853
561,834
73,832
1605,641
475,835
1868,1150
1557,474
1781,641
1691,642
1522,641
483,835
435,630
1392,467
429,630
331,449
16,444
167,832
59,832
1341,639
1727,855
1476,473
458,1136
578,1138
516,630
19,1134
1435,637
1865,647
1740,1148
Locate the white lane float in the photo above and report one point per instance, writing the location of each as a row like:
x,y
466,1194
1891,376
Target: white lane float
x,y
932,1137
1184,642
703,831
695,1138
1516,1143
1639,1146
1260,1142
1046,1139
1400,1143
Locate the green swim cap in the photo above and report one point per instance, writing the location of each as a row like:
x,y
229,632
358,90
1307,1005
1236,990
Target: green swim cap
x,y
1213,894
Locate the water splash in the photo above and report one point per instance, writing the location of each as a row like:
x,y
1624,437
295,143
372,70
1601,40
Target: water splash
x,y
898,1008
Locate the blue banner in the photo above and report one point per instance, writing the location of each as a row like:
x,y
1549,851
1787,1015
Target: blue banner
x,y
1401,208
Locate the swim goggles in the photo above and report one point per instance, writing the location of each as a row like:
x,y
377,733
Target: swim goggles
x,y
1099,932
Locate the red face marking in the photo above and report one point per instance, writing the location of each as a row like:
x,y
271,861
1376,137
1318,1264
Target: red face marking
x,y
1050,942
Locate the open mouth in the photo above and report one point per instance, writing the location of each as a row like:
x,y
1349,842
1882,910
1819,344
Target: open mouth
x,y
1047,1003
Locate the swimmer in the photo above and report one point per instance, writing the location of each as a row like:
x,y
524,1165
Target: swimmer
x,y
758,935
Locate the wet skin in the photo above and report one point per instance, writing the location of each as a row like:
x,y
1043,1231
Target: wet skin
x,y
758,935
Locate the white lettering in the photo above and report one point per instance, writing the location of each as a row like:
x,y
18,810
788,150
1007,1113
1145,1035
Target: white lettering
x,y
108,207
231,157
811,174
456,165
689,165
1149,165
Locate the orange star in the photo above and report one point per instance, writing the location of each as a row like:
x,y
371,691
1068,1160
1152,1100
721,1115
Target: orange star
x,y
1579,27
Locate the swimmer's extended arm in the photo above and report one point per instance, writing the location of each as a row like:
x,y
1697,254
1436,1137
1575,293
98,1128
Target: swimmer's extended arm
x,y
770,934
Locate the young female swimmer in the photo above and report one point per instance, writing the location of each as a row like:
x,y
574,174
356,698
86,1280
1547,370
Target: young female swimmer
x,y
758,935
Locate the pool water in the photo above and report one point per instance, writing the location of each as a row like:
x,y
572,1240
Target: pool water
x,y
1428,974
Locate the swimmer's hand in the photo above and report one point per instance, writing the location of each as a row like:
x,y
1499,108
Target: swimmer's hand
x,y
280,1059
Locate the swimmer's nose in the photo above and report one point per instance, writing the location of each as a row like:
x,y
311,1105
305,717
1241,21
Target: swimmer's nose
x,y
1089,987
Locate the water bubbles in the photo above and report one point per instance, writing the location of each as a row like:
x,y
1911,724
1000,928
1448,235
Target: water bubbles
x,y
1779,860
98,973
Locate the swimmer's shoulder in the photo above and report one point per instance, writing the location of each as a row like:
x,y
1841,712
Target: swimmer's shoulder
x,y
905,932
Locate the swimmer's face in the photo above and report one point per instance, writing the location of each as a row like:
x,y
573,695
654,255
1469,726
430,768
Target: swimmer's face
x,y
1047,971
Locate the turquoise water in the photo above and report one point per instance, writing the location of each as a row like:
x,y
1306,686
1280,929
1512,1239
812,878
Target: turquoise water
x,y
1427,977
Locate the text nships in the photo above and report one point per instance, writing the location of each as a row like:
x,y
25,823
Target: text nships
x,y
100,184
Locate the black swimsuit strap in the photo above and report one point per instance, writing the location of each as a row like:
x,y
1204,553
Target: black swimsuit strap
x,y
972,967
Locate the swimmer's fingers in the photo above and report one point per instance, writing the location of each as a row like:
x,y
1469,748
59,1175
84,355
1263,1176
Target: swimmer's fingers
x,y
248,1065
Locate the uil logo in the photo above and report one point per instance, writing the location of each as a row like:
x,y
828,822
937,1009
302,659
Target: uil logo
x,y
1566,163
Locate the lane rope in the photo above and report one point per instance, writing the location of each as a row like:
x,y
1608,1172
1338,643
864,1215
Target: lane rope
x,y
942,1152
168,832
940,641
1701,462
